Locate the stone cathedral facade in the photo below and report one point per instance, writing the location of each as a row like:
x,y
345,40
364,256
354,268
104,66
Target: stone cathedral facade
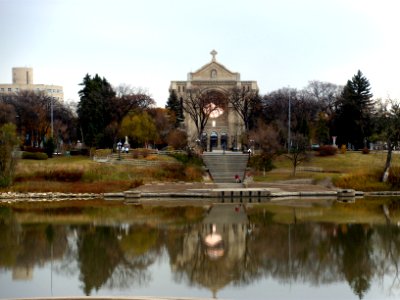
x,y
224,128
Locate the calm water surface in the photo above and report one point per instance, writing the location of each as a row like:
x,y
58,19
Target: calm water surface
x,y
302,250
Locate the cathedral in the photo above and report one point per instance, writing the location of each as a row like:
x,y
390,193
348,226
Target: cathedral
x,y
224,127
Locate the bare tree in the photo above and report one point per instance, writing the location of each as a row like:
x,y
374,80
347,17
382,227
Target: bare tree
x,y
298,151
200,104
325,93
128,99
244,101
387,122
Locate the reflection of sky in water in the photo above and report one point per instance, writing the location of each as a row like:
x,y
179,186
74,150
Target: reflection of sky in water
x,y
162,284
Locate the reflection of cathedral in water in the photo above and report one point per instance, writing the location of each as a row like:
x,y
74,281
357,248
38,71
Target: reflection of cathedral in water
x,y
212,252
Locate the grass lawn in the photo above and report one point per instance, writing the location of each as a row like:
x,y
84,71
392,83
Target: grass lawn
x,y
349,170
80,174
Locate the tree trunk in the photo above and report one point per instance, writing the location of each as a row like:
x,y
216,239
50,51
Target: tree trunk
x,y
388,163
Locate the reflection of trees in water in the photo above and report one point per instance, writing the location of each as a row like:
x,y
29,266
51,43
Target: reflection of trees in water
x,y
115,256
34,246
388,260
313,253
120,256
316,253
354,246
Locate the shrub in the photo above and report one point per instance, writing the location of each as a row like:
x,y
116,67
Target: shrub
x,y
34,155
365,150
83,151
261,162
327,150
137,182
361,181
177,139
394,176
193,173
65,175
49,147
32,149
102,152
170,171
152,157
188,159
343,149
135,153
145,152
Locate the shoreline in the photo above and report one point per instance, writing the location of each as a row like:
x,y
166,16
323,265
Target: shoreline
x,y
254,192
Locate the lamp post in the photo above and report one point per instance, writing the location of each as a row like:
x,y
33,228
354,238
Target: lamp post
x,y
52,117
289,117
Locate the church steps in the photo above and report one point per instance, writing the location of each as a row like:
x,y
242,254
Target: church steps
x,y
224,166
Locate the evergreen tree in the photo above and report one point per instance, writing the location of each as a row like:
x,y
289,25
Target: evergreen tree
x,y
93,109
8,140
175,106
352,122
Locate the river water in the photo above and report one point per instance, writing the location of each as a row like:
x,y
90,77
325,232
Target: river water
x,y
303,249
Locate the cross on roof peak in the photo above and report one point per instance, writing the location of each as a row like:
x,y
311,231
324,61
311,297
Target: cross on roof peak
x,y
213,53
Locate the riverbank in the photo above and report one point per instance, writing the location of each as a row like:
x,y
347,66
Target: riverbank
x,y
178,190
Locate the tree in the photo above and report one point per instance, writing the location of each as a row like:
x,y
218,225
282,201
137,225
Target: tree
x,y
34,115
140,127
177,139
174,105
298,151
266,140
94,109
200,104
325,93
354,108
246,103
321,132
8,140
303,112
7,110
129,99
387,126
163,124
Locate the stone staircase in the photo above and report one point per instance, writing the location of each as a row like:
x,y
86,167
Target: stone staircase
x,y
224,166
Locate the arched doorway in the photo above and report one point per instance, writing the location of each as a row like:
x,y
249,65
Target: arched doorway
x,y
213,140
224,140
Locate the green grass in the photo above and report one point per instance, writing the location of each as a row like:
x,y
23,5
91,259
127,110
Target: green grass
x,y
80,174
349,170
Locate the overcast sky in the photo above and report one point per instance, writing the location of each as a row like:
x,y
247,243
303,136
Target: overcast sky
x,y
148,43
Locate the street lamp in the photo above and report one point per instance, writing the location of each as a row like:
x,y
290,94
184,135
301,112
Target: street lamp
x,y
289,117
52,117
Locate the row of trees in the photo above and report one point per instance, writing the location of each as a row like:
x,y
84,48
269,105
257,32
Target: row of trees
x,y
315,254
294,119
106,114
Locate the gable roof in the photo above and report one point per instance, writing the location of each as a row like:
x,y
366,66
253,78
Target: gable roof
x,y
214,71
